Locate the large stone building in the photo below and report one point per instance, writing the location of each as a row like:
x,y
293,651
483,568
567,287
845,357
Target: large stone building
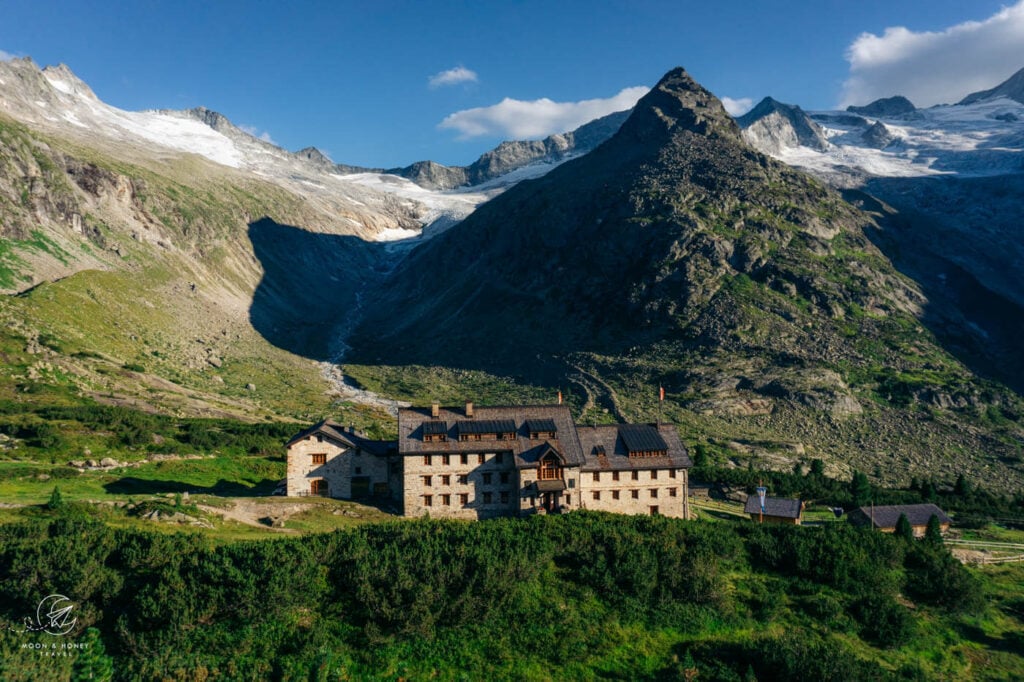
x,y
483,462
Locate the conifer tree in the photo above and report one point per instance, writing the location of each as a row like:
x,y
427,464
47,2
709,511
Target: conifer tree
x,y
904,529
860,488
933,531
92,662
56,500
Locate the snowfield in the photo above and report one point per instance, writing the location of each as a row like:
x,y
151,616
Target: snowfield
x,y
69,105
981,139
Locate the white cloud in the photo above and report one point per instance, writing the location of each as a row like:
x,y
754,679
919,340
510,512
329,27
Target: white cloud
x,y
459,74
518,119
255,132
7,56
737,107
933,67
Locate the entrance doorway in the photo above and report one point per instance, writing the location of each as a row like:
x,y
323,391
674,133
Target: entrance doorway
x,y
551,502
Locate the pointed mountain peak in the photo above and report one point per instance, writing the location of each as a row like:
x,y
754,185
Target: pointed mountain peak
x,y
675,105
215,120
315,155
319,160
773,126
769,106
63,79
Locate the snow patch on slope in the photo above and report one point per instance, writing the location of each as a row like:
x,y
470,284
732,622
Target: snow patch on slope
x,y
981,139
378,207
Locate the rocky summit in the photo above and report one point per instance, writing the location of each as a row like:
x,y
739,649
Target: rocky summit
x,y
887,106
638,238
774,126
675,253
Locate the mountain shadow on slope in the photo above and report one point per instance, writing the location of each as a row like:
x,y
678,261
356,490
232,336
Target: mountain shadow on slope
x,y
311,286
656,234
964,259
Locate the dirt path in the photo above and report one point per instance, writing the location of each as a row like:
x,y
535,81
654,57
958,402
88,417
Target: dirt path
x,y
599,393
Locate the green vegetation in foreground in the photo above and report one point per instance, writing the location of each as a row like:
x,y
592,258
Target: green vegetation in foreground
x,y
582,596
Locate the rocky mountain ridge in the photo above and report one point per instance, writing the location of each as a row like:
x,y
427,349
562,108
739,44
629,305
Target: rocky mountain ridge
x,y
774,126
886,106
507,157
676,254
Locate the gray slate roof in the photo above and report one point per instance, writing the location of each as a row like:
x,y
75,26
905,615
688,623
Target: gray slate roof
x,y
605,450
486,426
782,507
411,421
888,516
540,425
641,438
340,434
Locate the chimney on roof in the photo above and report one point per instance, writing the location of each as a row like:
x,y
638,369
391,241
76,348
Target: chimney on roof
x,y
435,410
469,409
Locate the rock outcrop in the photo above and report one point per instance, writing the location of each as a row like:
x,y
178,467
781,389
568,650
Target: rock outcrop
x,y
886,107
774,126
878,136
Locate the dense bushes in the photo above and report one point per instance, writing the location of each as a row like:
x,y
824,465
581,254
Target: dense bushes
x,y
57,428
405,599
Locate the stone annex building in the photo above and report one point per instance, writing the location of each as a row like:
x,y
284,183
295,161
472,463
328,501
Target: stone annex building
x,y
483,462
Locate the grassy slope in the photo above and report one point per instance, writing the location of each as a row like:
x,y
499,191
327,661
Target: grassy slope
x,y
157,285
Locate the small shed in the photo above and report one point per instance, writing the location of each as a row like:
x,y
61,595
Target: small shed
x,y
776,510
885,518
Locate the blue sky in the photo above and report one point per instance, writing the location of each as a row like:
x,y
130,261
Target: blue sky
x,y
386,83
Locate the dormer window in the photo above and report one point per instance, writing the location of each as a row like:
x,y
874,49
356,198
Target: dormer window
x,y
435,432
486,429
642,440
542,429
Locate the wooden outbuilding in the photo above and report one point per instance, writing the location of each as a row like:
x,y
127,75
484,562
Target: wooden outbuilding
x,y
885,518
776,510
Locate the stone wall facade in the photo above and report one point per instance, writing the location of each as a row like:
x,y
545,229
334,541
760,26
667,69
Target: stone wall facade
x,y
637,491
475,485
346,470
